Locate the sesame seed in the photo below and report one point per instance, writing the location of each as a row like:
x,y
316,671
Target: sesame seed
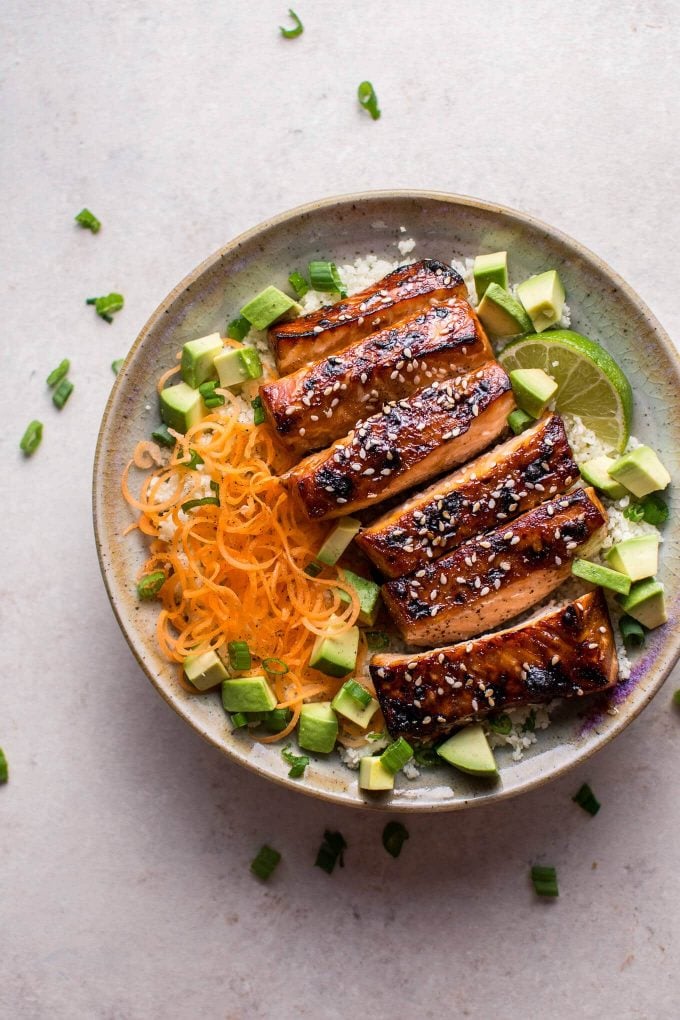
x,y
427,719
434,610
475,705
468,647
416,703
515,540
485,591
314,417
301,432
555,659
507,536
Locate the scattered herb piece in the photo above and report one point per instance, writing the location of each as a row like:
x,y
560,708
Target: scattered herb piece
x,y
194,460
191,504
239,655
265,862
393,837
238,329
277,667
326,278
586,799
376,735
62,393
651,508
530,722
107,306
258,411
31,439
58,373
632,632
331,851
277,719
376,639
298,762
238,720
210,397
88,221
4,769
313,569
501,724
369,99
299,284
149,586
426,757
676,699
357,692
215,486
117,365
397,755
162,436
292,33
545,881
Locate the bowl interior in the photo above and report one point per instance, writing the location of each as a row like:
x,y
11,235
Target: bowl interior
x,y
443,227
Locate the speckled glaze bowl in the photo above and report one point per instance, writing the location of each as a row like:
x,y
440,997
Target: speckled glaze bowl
x,y
444,226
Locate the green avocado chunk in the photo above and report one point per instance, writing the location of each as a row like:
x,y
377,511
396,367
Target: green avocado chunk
x,y
248,694
488,269
198,359
640,471
345,704
469,751
268,306
373,775
646,603
533,389
636,557
238,365
596,472
596,574
501,314
335,656
338,540
368,593
204,670
181,407
543,299
318,727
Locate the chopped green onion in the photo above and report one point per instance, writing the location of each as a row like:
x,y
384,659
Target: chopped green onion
x,y
426,757
676,699
215,486
88,221
62,393
162,436
107,306
634,513
545,881
258,411
265,862
239,720
210,397
216,401
191,504
57,374
31,439
298,762
325,278
530,722
396,755
501,724
277,719
368,99
299,284
313,569
586,799
4,770
149,586
376,640
651,508
393,838
239,655
238,329
250,360
292,33
632,632
375,735
357,693
277,667
331,851
117,365
194,460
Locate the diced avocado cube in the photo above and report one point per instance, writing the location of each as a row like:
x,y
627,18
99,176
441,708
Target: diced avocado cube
x,y
501,314
519,421
335,655
469,751
318,727
596,574
373,775
181,407
646,603
338,540
198,359
368,593
641,471
269,305
347,705
238,365
490,269
596,472
248,694
533,389
204,670
636,557
543,298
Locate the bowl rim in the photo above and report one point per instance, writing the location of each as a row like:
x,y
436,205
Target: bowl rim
x,y
341,797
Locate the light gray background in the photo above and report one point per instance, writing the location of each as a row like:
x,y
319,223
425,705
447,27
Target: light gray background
x,y
124,840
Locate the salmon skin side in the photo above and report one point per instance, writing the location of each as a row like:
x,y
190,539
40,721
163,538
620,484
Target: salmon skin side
x,y
563,654
498,486
405,291
491,578
320,403
407,442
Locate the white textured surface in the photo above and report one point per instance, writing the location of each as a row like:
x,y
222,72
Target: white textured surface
x,y
124,840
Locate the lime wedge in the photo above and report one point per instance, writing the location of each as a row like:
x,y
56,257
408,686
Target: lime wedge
x,y
591,384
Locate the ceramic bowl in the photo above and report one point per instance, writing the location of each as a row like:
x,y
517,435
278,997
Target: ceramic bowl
x,y
444,226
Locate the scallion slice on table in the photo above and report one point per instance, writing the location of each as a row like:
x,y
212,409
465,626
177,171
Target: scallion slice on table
x,y
88,221
292,33
258,411
107,306
331,852
191,504
239,655
238,328
4,769
299,284
31,439
397,755
393,838
544,880
62,393
58,373
369,99
632,632
149,586
117,365
265,862
162,436
298,762
324,277
586,799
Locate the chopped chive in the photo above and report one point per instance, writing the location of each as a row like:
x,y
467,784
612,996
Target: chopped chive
x,y
313,569
265,862
292,33
369,99
4,769
357,692
215,486
149,586
376,639
277,667
239,720
676,699
375,735
501,724
62,393
216,401
397,755
238,329
331,852
31,439
207,389
117,365
194,460
250,360
258,411
586,799
162,436
299,284
530,722
88,221
632,632
393,838
91,301
239,655
58,373
191,504
651,508
325,278
298,762
426,757
107,306
545,881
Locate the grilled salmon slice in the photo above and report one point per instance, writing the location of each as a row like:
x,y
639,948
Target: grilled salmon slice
x,y
491,578
315,405
403,292
561,654
498,486
407,442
